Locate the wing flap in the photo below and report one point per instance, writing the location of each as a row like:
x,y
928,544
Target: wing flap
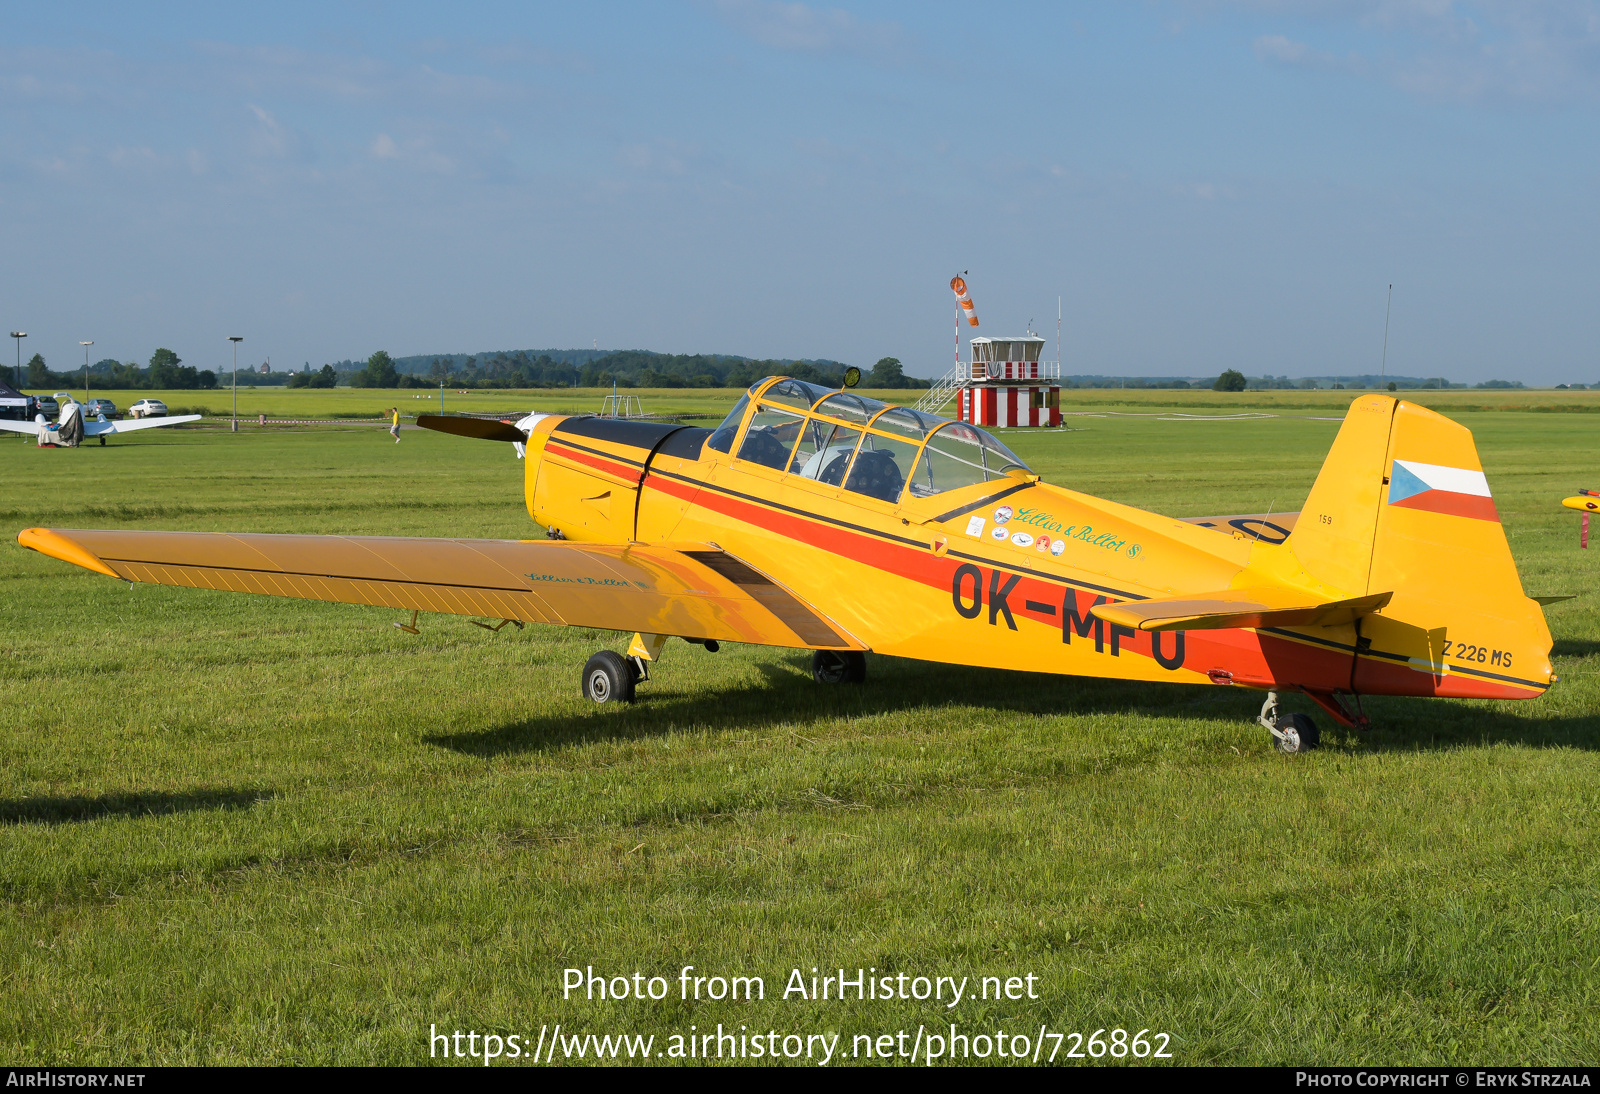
x,y
694,593
1259,607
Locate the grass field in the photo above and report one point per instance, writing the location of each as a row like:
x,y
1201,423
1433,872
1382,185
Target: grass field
x,y
238,829
278,402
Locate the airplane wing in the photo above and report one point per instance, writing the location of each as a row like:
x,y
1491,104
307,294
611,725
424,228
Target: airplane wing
x,y
694,591
1267,527
1260,607
93,428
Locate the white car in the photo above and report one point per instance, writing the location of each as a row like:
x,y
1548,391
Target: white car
x,y
148,408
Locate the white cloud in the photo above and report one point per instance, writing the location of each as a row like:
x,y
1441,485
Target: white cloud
x,y
384,148
801,28
271,139
1455,50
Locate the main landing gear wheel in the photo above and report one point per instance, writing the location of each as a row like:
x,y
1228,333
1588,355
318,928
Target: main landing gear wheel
x,y
836,667
608,678
1298,733
1290,732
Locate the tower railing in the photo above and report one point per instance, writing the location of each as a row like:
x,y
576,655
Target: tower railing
x,y
965,374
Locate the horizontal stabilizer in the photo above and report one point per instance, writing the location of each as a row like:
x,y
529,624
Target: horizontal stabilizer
x,y
484,429
1260,607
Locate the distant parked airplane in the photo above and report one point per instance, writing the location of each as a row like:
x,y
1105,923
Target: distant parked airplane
x,y
71,426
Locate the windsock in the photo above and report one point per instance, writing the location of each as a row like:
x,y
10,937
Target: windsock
x,y
964,300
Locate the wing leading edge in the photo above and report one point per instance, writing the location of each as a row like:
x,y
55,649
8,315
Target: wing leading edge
x,y
698,592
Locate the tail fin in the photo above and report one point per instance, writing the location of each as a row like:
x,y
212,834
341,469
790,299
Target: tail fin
x,y
1402,506
1334,536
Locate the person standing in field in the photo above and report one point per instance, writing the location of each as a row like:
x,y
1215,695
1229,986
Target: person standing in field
x,y
394,423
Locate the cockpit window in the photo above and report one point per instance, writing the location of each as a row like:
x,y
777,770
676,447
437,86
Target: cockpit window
x,y
880,467
795,393
722,439
997,455
960,455
852,408
908,422
824,452
771,434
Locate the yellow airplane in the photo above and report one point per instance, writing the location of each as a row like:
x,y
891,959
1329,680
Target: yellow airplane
x,y
818,519
1586,502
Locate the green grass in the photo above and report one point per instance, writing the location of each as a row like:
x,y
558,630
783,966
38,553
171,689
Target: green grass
x,y
239,829
353,402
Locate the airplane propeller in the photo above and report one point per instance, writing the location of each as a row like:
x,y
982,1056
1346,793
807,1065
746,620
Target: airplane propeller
x,y
482,428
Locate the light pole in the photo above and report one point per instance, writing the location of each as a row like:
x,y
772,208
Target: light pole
x,y
19,335
235,339
86,346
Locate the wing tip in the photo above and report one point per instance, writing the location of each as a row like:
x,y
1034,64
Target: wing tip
x,y
56,545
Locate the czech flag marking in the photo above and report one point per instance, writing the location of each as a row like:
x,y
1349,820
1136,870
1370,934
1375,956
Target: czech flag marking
x,y
1453,491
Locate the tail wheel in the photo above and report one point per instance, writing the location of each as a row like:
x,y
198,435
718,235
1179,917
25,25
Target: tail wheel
x,y
838,667
608,678
1299,733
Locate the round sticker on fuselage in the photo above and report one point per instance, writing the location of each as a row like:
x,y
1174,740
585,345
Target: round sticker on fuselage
x,y
1058,546
1002,514
1000,532
1043,543
1022,539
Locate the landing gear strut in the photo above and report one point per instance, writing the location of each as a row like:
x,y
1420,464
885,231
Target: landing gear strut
x,y
1290,732
838,667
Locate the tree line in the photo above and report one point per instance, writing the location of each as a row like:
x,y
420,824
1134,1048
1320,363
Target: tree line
x,y
624,369
520,369
165,373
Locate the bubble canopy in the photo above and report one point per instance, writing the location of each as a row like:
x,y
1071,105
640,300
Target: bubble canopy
x,y
868,447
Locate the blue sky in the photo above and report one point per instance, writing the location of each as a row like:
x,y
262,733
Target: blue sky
x,y
1204,184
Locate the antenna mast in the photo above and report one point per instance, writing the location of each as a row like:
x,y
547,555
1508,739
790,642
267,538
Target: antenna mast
x,y
1383,369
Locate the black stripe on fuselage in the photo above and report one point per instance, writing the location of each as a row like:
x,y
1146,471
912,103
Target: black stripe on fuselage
x,y
1120,594
981,502
645,435
890,537
599,452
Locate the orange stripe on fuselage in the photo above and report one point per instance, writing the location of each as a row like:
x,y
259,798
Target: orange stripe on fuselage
x,y
1242,653
599,463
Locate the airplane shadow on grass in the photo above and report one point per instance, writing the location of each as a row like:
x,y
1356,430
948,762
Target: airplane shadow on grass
x,y
789,696
138,803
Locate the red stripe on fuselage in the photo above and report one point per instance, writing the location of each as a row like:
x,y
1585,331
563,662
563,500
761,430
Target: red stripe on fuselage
x,y
1249,655
621,471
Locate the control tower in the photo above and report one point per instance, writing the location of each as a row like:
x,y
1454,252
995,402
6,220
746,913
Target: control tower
x,y
1003,384
1007,384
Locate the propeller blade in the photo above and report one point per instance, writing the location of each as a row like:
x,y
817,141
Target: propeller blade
x,y
484,429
